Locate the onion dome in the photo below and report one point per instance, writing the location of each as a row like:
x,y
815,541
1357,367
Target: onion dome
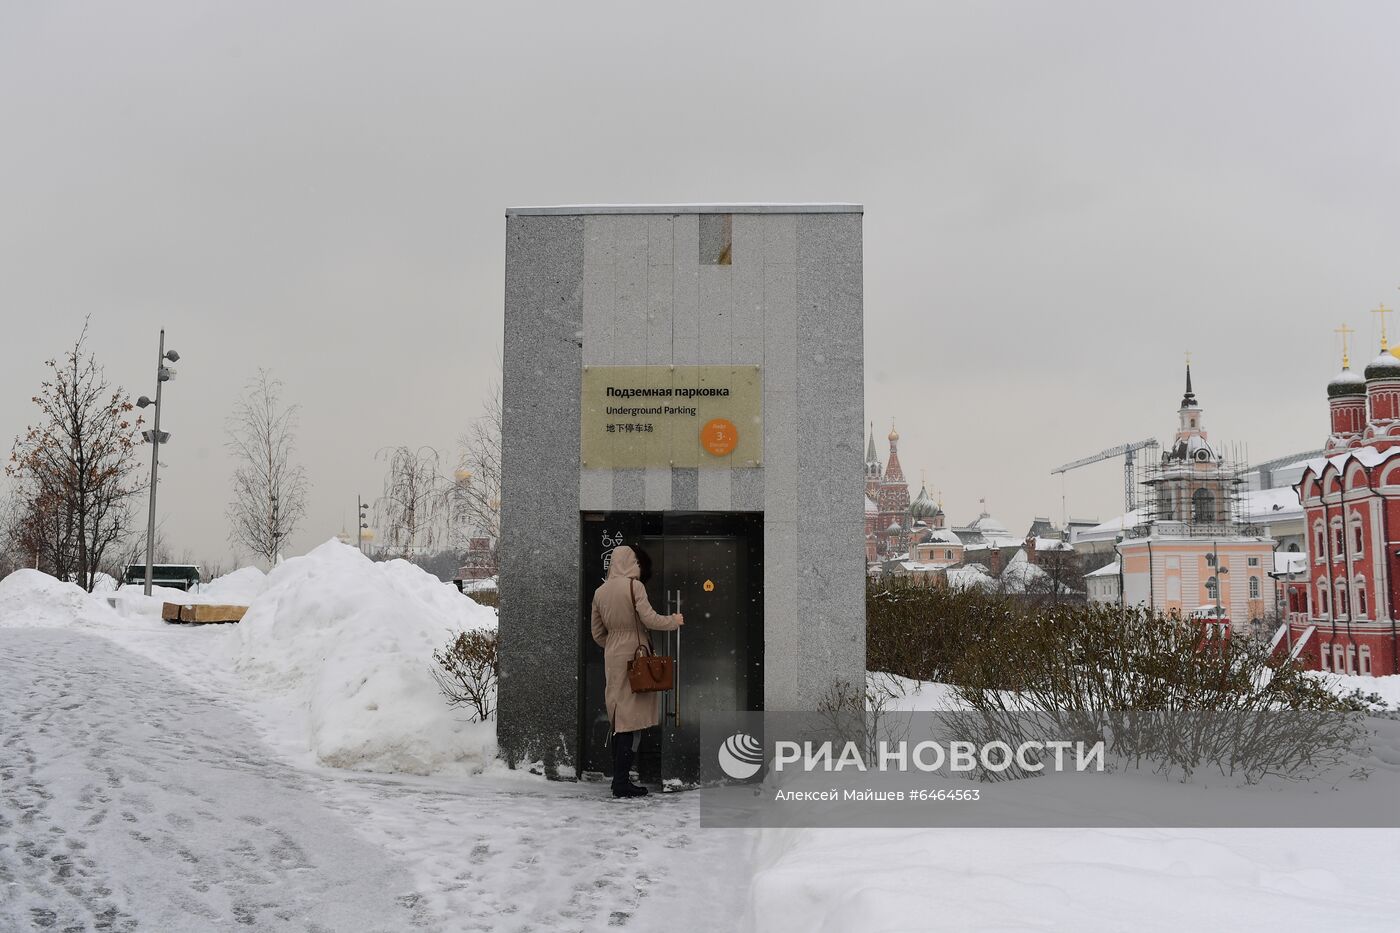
x,y
894,529
894,435
1346,383
1194,448
923,506
1384,366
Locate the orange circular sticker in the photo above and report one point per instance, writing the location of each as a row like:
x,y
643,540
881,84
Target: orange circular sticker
x,y
719,437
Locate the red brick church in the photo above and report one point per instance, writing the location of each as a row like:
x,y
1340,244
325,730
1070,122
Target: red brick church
x,y
1344,618
887,518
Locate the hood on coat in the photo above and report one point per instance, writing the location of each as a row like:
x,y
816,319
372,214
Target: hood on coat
x,y
624,564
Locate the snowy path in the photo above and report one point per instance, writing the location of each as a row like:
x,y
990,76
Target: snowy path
x,y
509,855
129,801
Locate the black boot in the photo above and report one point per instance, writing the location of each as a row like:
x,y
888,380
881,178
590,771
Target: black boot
x,y
622,785
621,751
630,750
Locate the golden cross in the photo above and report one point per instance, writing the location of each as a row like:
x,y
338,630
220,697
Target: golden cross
x,y
1382,311
1346,358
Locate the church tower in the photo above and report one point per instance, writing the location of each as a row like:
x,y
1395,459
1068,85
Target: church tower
x,y
893,499
1189,553
873,470
1346,401
1193,483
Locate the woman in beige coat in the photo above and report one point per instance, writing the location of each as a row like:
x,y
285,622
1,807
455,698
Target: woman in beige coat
x,y
618,606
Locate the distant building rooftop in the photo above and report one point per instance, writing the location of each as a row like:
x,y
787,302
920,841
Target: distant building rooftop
x,y
572,209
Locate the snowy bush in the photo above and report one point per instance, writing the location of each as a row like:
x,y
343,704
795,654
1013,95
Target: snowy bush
x,y
1157,690
918,632
1104,657
466,672
1153,686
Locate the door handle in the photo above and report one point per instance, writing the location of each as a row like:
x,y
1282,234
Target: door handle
x,y
678,663
667,700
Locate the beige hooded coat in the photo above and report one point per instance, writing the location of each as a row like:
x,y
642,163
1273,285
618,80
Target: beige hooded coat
x,y
616,632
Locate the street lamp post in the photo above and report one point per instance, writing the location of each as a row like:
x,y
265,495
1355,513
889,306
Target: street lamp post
x,y
1217,581
156,437
1219,571
360,506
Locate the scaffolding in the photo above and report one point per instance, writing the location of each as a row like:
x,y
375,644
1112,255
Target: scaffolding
x,y
1192,491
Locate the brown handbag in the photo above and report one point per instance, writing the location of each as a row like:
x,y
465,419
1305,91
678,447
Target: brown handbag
x,y
648,672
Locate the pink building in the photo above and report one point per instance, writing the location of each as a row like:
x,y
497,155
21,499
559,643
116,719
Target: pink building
x,y
1192,556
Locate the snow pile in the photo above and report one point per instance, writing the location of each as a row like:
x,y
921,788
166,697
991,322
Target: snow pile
x,y
238,588
131,599
480,586
347,644
31,598
1388,686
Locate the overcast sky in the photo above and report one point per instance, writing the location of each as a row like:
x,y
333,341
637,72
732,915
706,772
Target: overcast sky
x,y
1061,200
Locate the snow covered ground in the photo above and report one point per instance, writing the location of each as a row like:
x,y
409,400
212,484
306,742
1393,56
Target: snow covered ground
x,y
129,800
299,771
831,881
168,777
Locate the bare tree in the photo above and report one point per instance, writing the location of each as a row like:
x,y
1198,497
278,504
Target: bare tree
x,y
75,470
476,492
1062,577
414,502
41,526
269,489
13,556
134,554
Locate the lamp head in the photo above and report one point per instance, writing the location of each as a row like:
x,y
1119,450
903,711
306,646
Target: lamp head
x,y
144,402
172,356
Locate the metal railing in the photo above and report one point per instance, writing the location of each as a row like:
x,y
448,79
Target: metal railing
x,y
1194,530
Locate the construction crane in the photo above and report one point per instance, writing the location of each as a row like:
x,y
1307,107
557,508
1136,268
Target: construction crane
x,y
1128,452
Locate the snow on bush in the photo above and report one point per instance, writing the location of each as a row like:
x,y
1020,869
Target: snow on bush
x,y
349,643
